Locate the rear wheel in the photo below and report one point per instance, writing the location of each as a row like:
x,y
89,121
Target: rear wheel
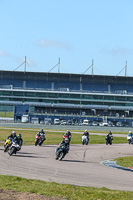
x,y
5,148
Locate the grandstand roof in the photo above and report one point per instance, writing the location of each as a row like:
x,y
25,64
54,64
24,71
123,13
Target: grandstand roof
x,y
106,79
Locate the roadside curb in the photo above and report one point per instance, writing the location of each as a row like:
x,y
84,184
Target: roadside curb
x,y
114,165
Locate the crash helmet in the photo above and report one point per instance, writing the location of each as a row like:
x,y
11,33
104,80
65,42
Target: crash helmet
x,y
66,140
14,133
86,131
41,131
19,136
110,132
130,132
68,132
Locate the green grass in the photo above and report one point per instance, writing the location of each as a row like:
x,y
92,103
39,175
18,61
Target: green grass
x,y
52,137
63,191
125,161
7,114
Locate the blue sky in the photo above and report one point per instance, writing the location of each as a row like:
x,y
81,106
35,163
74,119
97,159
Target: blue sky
x,y
76,31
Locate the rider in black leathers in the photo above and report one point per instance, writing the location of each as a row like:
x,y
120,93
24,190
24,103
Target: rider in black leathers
x,y
65,142
67,135
86,133
109,137
12,135
18,139
42,134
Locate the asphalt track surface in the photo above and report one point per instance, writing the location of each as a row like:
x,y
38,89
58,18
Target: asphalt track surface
x,y
82,166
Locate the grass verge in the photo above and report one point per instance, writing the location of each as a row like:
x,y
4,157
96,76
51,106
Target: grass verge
x,y
125,161
68,192
52,137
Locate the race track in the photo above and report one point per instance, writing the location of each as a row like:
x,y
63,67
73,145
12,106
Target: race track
x,y
81,166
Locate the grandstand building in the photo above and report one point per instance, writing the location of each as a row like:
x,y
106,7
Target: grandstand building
x,y
67,94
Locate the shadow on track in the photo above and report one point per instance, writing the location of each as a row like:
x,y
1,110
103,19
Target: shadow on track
x,y
76,161
48,146
24,153
17,155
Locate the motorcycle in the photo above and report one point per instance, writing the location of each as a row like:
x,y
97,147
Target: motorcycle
x,y
14,148
61,152
109,140
85,140
39,140
130,138
7,144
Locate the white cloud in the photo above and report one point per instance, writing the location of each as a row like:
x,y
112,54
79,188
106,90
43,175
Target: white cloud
x,y
55,44
121,51
4,53
118,51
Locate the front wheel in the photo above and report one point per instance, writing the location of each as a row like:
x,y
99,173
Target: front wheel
x,y
35,143
83,142
61,156
87,141
12,150
40,143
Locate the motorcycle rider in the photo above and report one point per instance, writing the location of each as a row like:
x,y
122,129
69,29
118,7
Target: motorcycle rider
x,y
110,133
85,140
86,133
109,136
66,143
67,135
41,134
131,135
12,135
20,140
130,132
9,140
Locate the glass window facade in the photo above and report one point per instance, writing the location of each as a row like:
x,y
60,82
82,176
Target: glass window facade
x,y
64,101
76,98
